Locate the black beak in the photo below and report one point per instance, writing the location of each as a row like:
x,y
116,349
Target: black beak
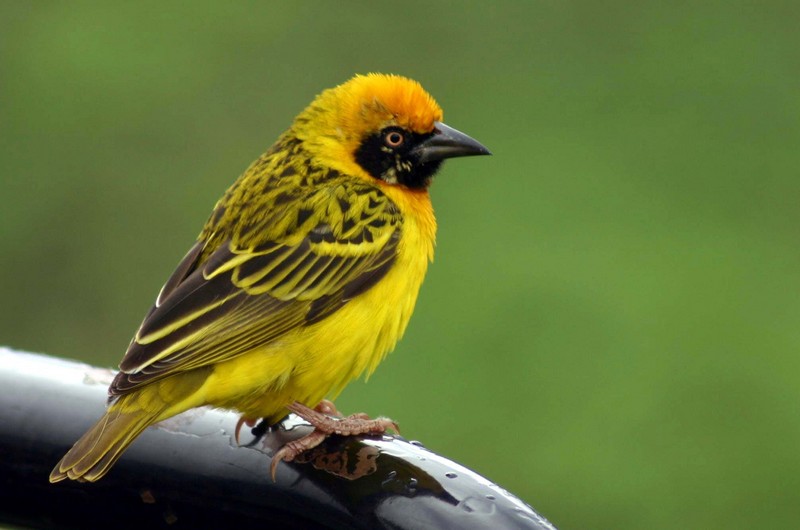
x,y
447,142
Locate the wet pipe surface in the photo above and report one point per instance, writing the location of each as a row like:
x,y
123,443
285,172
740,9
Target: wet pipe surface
x,y
189,471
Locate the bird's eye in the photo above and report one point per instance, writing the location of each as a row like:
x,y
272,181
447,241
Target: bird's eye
x,y
393,139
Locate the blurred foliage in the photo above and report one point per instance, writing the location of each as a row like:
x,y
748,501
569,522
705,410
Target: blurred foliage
x,y
610,329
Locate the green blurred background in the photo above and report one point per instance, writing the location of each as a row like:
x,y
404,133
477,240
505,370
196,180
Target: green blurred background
x,y
610,329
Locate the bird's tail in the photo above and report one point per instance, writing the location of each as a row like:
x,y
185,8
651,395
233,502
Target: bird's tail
x,y
93,455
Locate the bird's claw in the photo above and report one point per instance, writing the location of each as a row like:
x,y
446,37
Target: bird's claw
x,y
250,423
289,452
325,425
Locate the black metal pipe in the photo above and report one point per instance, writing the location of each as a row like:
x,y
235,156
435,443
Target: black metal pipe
x,y
188,472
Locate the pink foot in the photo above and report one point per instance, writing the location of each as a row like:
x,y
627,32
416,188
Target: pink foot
x,y
324,426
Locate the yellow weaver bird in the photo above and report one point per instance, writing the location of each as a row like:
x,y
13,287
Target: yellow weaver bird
x,y
303,278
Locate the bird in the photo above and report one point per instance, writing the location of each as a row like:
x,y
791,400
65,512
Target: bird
x,y
302,279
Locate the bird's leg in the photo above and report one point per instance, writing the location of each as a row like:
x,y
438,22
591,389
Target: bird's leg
x,y
325,425
259,430
325,406
353,425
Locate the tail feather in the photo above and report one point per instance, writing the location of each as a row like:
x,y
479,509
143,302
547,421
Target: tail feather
x,y
93,455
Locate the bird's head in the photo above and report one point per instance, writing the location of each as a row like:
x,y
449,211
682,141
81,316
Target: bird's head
x,y
384,127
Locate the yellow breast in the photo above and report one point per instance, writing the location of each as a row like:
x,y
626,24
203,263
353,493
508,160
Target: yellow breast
x,y
318,361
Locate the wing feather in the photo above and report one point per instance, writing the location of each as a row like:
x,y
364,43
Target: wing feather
x,y
243,296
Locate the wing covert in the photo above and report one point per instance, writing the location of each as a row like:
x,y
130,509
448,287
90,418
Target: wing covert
x,y
265,281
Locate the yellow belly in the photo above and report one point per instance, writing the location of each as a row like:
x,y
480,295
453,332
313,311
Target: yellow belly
x,y
319,360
